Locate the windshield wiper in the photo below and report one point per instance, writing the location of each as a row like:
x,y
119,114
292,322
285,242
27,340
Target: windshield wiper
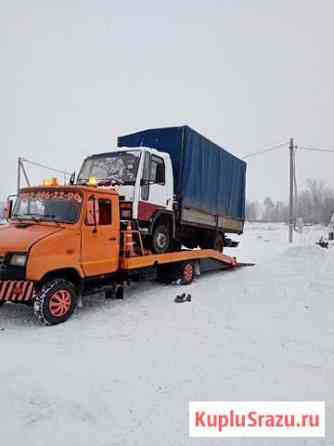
x,y
33,217
27,217
103,181
116,179
129,183
111,180
54,219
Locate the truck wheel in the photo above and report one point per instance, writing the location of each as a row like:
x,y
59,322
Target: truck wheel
x,y
55,302
187,273
215,242
219,243
160,239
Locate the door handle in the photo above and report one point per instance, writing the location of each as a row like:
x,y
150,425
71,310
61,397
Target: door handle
x,y
113,239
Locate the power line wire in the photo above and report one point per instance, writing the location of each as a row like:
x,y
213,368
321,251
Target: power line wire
x,y
315,149
266,150
45,167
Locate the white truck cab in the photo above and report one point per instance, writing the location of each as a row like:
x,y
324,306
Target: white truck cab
x,y
145,180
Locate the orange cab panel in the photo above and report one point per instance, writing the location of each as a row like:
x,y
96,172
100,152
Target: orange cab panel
x,y
14,238
100,234
59,250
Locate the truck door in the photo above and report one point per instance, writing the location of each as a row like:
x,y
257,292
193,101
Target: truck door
x,y
100,236
154,193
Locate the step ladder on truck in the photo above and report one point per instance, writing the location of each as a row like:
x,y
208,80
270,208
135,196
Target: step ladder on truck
x,y
64,242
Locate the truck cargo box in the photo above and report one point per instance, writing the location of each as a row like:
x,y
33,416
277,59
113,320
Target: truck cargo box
x,y
207,178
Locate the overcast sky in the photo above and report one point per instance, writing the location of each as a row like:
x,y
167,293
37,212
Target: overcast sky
x,y
248,74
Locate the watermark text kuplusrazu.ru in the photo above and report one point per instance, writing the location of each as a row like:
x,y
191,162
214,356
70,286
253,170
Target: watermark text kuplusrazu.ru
x,y
257,419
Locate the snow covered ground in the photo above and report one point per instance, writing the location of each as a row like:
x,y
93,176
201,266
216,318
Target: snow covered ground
x,y
123,372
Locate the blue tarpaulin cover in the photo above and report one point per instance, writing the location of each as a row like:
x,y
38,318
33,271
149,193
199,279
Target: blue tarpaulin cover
x,y
206,177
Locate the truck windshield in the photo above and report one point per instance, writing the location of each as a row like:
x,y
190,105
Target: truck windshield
x,y
118,167
45,205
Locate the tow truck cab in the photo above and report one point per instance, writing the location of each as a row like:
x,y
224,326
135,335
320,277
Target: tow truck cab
x,y
58,238
145,180
58,228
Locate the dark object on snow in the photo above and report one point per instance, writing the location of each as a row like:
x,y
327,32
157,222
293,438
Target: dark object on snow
x,y
322,243
115,293
183,298
228,243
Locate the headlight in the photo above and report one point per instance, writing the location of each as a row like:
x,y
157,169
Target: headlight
x,y
18,260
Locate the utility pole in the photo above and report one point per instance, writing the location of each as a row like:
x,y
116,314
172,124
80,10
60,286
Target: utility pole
x,y
291,206
19,165
23,169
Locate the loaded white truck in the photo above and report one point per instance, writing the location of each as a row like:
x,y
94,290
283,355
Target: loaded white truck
x,y
178,187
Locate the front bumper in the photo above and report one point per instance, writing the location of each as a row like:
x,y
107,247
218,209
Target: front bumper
x,y
16,290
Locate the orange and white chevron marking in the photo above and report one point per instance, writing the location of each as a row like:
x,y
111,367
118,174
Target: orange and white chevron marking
x,y
16,291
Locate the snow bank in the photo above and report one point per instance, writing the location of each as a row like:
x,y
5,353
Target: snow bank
x,y
122,373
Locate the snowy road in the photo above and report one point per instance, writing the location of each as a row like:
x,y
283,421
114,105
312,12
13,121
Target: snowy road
x,y
123,372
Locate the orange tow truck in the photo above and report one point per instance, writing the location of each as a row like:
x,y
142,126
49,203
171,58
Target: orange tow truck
x,y
63,242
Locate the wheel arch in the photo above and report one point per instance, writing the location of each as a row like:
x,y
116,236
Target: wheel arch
x,y
70,274
163,216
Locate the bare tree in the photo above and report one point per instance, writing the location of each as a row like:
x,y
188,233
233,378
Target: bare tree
x,y
269,209
315,204
252,210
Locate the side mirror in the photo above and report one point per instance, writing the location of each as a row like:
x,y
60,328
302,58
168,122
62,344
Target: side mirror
x,y
9,209
72,179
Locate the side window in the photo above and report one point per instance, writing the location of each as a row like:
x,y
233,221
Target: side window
x,y
146,170
157,173
105,212
92,217
145,189
99,212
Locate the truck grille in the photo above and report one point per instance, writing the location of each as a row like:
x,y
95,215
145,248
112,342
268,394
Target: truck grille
x,y
2,264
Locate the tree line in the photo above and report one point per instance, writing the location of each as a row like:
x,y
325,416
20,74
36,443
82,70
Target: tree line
x,y
314,204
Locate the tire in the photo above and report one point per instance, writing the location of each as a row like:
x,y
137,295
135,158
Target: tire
x,y
2,303
207,240
55,302
214,241
219,243
161,239
187,273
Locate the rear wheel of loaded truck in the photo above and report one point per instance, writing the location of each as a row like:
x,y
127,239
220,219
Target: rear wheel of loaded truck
x,y
55,302
219,243
213,241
